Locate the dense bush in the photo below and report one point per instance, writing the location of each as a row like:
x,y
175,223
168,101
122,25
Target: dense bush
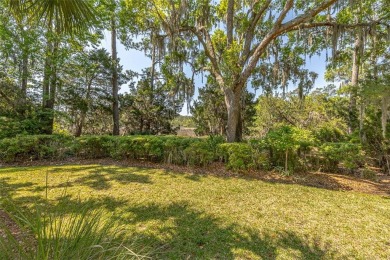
x,y
138,147
286,148
199,153
349,154
238,156
94,147
35,147
332,131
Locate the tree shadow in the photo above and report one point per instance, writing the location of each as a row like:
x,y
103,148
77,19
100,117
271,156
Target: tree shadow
x,y
337,182
11,169
94,180
79,168
181,232
8,189
101,179
122,177
68,204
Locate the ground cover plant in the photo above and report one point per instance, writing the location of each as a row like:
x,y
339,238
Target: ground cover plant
x,y
180,215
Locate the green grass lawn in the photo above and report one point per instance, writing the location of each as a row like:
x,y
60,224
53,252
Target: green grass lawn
x,y
181,216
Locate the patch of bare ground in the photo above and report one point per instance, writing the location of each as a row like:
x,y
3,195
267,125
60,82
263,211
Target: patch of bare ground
x,y
330,181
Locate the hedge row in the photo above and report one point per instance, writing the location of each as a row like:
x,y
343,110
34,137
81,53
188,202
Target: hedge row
x,y
263,154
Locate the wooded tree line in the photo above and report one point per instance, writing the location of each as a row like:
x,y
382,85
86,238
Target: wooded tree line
x,y
54,76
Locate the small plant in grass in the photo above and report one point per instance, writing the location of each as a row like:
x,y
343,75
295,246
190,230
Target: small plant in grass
x,y
54,234
282,171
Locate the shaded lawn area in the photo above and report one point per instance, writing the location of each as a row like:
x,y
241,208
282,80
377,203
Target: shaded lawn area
x,y
172,215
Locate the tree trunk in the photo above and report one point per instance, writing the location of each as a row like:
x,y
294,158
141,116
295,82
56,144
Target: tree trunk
x,y
46,75
286,162
79,126
233,104
47,98
151,91
385,106
115,103
362,133
23,89
354,83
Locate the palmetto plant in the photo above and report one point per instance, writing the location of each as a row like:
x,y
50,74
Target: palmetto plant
x,y
68,16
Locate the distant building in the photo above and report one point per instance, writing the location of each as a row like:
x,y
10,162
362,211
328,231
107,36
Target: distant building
x,y
186,131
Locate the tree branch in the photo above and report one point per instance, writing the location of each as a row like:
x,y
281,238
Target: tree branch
x,y
332,24
306,16
277,31
289,4
208,48
251,31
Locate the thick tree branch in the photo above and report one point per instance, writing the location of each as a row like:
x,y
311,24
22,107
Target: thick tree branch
x,y
205,39
306,16
277,31
289,4
251,31
332,24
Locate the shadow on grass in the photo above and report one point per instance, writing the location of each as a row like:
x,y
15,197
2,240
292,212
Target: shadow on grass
x,y
12,169
94,180
185,233
68,204
79,168
309,179
8,189
178,231
65,202
101,178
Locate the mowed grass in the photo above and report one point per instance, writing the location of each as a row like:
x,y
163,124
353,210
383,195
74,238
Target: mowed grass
x,y
185,216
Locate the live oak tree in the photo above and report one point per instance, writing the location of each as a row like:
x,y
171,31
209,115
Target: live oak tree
x,y
234,37
209,110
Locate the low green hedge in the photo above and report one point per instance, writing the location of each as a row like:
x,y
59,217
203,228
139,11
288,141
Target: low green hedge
x,y
35,147
255,154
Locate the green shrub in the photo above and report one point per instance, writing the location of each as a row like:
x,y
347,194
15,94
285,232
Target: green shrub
x,y
14,125
199,153
139,147
174,148
94,147
35,147
367,173
288,146
332,131
349,154
238,156
213,141
260,154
